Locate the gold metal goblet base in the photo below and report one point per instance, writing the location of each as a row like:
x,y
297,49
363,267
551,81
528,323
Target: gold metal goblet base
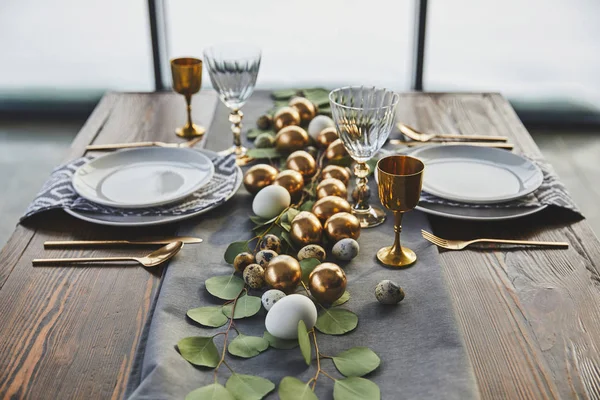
x,y
190,131
370,217
392,258
240,152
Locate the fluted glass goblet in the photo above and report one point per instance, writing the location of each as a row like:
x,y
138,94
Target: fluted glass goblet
x,y
233,69
363,118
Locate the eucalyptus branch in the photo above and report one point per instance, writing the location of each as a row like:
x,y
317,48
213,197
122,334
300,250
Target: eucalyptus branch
x,y
262,235
226,333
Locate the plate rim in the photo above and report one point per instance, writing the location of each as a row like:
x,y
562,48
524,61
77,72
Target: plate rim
x,y
154,204
470,218
168,219
486,201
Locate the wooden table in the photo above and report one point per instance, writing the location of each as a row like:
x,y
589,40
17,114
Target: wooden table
x,y
530,318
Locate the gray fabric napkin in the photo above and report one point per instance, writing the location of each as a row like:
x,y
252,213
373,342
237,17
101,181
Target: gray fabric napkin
x,y
58,193
421,350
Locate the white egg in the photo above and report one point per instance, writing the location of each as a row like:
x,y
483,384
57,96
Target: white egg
x,y
270,297
318,123
271,201
346,249
282,320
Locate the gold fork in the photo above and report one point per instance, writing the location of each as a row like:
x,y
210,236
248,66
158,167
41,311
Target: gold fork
x,y
116,146
414,134
461,244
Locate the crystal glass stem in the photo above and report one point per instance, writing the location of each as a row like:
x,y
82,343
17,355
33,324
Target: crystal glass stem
x,y
235,117
362,191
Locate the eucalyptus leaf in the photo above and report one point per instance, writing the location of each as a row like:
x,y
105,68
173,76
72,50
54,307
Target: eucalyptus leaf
x,y
261,221
355,389
319,96
208,316
357,361
307,206
281,344
372,163
248,387
234,249
308,265
214,391
255,132
345,161
290,214
345,297
336,321
291,388
245,306
247,346
264,153
225,287
199,350
286,226
284,94
304,342
288,239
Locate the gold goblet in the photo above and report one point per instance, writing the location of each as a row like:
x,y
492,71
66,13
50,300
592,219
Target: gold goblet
x,y
187,79
399,182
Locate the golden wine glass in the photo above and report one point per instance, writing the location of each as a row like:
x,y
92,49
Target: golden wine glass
x,y
187,79
399,182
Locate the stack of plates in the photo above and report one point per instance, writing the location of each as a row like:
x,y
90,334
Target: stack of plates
x,y
142,178
477,176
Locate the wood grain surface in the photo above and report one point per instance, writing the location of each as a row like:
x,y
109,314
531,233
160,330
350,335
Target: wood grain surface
x,y
530,318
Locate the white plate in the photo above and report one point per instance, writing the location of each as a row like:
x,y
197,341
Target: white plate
x,y
478,175
478,214
148,220
143,177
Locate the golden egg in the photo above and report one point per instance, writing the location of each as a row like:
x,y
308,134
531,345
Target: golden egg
x,y
259,176
326,137
331,187
342,225
291,138
306,229
305,107
283,273
302,162
329,205
337,172
292,181
327,283
285,116
336,150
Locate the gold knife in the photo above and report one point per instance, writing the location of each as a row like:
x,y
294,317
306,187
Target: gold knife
x,y
506,146
141,242
117,146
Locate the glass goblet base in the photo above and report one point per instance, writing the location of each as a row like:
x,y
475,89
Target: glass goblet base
x,y
240,152
190,131
397,259
369,217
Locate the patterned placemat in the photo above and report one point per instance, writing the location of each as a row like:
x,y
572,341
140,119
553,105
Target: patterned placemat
x,y
58,193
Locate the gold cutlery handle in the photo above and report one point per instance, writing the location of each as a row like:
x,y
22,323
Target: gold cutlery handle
x,y
506,146
560,245
61,243
473,137
120,146
59,261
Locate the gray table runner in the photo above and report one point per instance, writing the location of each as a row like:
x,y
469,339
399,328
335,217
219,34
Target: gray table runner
x,y
421,350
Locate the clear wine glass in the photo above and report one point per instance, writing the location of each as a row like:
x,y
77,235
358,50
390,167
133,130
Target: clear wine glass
x,y
363,118
233,69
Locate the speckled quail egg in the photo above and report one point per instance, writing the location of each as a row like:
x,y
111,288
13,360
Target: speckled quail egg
x,y
254,276
270,242
388,292
264,140
242,260
270,297
318,123
264,256
312,251
345,249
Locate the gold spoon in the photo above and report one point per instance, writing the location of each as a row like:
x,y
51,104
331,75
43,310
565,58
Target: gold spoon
x,y
153,259
424,137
